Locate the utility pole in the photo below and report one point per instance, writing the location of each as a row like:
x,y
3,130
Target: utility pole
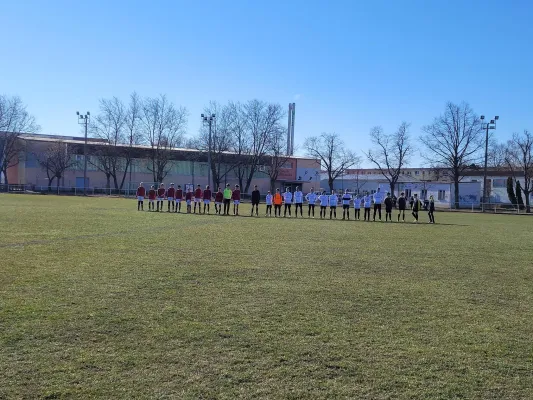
x,y
486,126
84,120
208,120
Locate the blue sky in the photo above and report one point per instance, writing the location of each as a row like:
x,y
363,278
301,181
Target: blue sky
x,y
348,65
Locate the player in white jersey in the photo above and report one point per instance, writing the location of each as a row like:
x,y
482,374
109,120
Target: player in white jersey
x,y
378,199
287,199
333,201
357,207
324,201
311,197
268,201
367,202
346,197
298,201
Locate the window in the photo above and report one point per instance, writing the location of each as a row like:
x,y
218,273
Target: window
x,y
499,183
287,165
407,193
423,193
442,195
417,172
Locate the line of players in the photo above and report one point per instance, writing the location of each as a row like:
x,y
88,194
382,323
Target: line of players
x,y
224,199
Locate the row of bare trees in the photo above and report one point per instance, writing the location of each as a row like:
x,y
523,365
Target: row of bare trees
x,y
250,137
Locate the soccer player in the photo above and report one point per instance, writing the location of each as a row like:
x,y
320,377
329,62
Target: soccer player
x,y
311,198
287,198
367,202
141,192
188,200
278,200
268,200
324,201
333,201
402,205
388,208
298,201
219,199
256,196
151,198
378,199
227,199
357,207
417,206
236,196
207,198
346,197
171,192
179,198
198,199
431,210
160,196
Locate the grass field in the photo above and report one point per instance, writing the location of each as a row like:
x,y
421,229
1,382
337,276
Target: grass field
x,y
98,300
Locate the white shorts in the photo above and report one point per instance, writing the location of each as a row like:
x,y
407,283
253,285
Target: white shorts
x,y
188,202
140,198
170,198
236,202
160,198
197,200
218,203
178,200
207,201
151,201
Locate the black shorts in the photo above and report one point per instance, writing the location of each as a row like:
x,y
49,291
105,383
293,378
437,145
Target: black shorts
x,y
333,207
345,206
401,209
255,203
389,210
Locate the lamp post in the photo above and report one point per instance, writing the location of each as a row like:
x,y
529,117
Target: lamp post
x,y
84,120
486,126
208,120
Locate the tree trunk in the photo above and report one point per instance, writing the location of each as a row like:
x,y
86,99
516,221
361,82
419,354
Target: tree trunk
x,y
272,185
330,183
456,187
528,206
58,181
392,185
4,171
50,181
108,178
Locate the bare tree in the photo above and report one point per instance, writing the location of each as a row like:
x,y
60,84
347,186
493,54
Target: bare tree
x,y
453,141
222,162
109,125
163,127
332,153
497,154
241,146
55,160
14,120
519,159
276,152
133,134
391,152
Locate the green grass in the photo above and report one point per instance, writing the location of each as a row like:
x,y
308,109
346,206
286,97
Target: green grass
x,y
98,300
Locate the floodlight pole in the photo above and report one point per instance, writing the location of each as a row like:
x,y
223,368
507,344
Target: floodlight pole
x,y
488,125
84,120
208,120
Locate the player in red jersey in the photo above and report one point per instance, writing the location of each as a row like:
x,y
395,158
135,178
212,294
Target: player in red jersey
x,y
141,193
160,196
188,200
219,198
236,197
179,197
171,192
207,198
151,198
198,199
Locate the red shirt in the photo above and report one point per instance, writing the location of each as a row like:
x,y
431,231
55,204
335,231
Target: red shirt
x,y
207,194
151,194
179,194
141,191
198,193
188,196
170,192
219,196
161,192
236,195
